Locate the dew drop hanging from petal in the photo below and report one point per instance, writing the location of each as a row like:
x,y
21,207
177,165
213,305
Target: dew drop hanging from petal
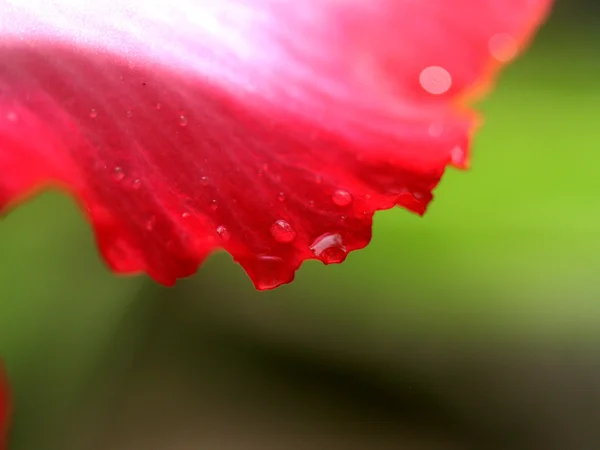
x,y
329,248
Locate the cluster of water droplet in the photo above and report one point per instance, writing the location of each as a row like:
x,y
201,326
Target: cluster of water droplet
x,y
182,119
119,176
329,247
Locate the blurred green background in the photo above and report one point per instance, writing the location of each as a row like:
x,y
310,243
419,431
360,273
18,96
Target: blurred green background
x,y
474,327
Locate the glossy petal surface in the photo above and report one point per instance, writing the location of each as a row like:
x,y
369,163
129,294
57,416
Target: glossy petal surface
x,y
273,129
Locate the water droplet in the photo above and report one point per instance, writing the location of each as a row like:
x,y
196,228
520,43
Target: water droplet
x,y
329,248
129,113
204,181
311,203
319,179
223,232
435,80
158,106
283,232
281,197
341,197
150,223
118,174
503,47
183,121
214,205
185,215
270,272
11,116
136,184
93,113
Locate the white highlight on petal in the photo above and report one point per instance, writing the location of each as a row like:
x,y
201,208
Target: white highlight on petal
x,y
208,37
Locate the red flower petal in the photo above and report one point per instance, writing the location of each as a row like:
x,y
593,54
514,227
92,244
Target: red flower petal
x,y
273,129
4,410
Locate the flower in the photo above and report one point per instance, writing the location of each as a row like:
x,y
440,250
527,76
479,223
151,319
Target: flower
x,y
4,409
270,128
